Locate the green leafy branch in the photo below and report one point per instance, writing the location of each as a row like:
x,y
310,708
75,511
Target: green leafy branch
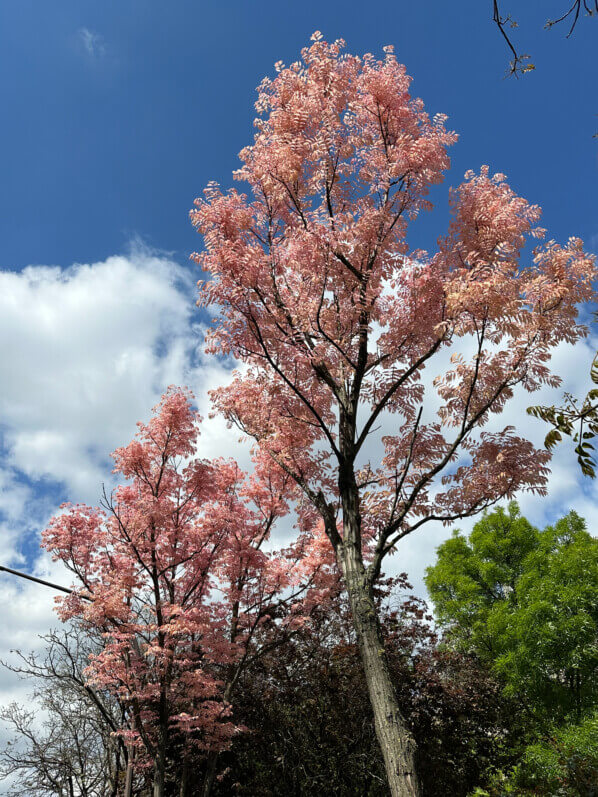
x,y
577,422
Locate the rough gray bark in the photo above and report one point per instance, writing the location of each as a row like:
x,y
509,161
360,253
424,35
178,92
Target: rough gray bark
x,y
394,736
396,740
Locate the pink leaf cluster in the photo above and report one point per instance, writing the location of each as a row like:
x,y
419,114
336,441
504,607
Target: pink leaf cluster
x,y
173,571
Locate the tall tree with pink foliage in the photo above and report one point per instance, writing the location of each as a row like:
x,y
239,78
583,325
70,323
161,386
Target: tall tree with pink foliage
x,y
172,570
318,292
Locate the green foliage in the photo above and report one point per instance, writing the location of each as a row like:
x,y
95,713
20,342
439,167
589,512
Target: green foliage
x,y
563,764
474,579
580,422
526,602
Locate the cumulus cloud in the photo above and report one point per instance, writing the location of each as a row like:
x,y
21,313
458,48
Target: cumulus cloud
x,y
91,349
87,351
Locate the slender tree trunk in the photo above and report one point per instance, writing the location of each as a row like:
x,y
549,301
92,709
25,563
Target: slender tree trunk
x,y
160,772
395,739
185,780
129,773
210,775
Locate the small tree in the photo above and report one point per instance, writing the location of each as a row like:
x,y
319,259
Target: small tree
x,y
74,750
335,318
172,571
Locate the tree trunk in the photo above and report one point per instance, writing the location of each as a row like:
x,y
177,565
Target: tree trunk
x,y
395,739
210,775
129,773
160,772
184,788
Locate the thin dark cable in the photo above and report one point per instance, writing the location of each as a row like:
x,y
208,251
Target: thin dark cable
x,y
41,581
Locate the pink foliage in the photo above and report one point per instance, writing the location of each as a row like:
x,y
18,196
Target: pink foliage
x,y
336,319
179,581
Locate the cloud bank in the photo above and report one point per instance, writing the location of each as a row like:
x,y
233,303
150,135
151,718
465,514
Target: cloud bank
x,y
87,351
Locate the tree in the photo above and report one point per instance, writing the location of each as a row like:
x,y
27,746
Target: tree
x,y
173,574
335,318
472,576
75,750
525,601
563,763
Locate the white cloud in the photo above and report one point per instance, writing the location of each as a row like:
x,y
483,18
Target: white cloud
x,y
92,42
87,351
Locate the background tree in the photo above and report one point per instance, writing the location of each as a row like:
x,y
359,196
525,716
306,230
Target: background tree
x,y
74,749
525,602
308,712
319,295
564,763
180,587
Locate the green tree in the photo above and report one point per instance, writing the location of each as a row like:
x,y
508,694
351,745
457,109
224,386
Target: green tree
x,y
563,763
526,602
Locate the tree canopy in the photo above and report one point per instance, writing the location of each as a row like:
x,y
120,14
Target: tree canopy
x,y
173,573
524,600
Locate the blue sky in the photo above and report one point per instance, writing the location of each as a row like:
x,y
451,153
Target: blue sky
x,y
115,116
